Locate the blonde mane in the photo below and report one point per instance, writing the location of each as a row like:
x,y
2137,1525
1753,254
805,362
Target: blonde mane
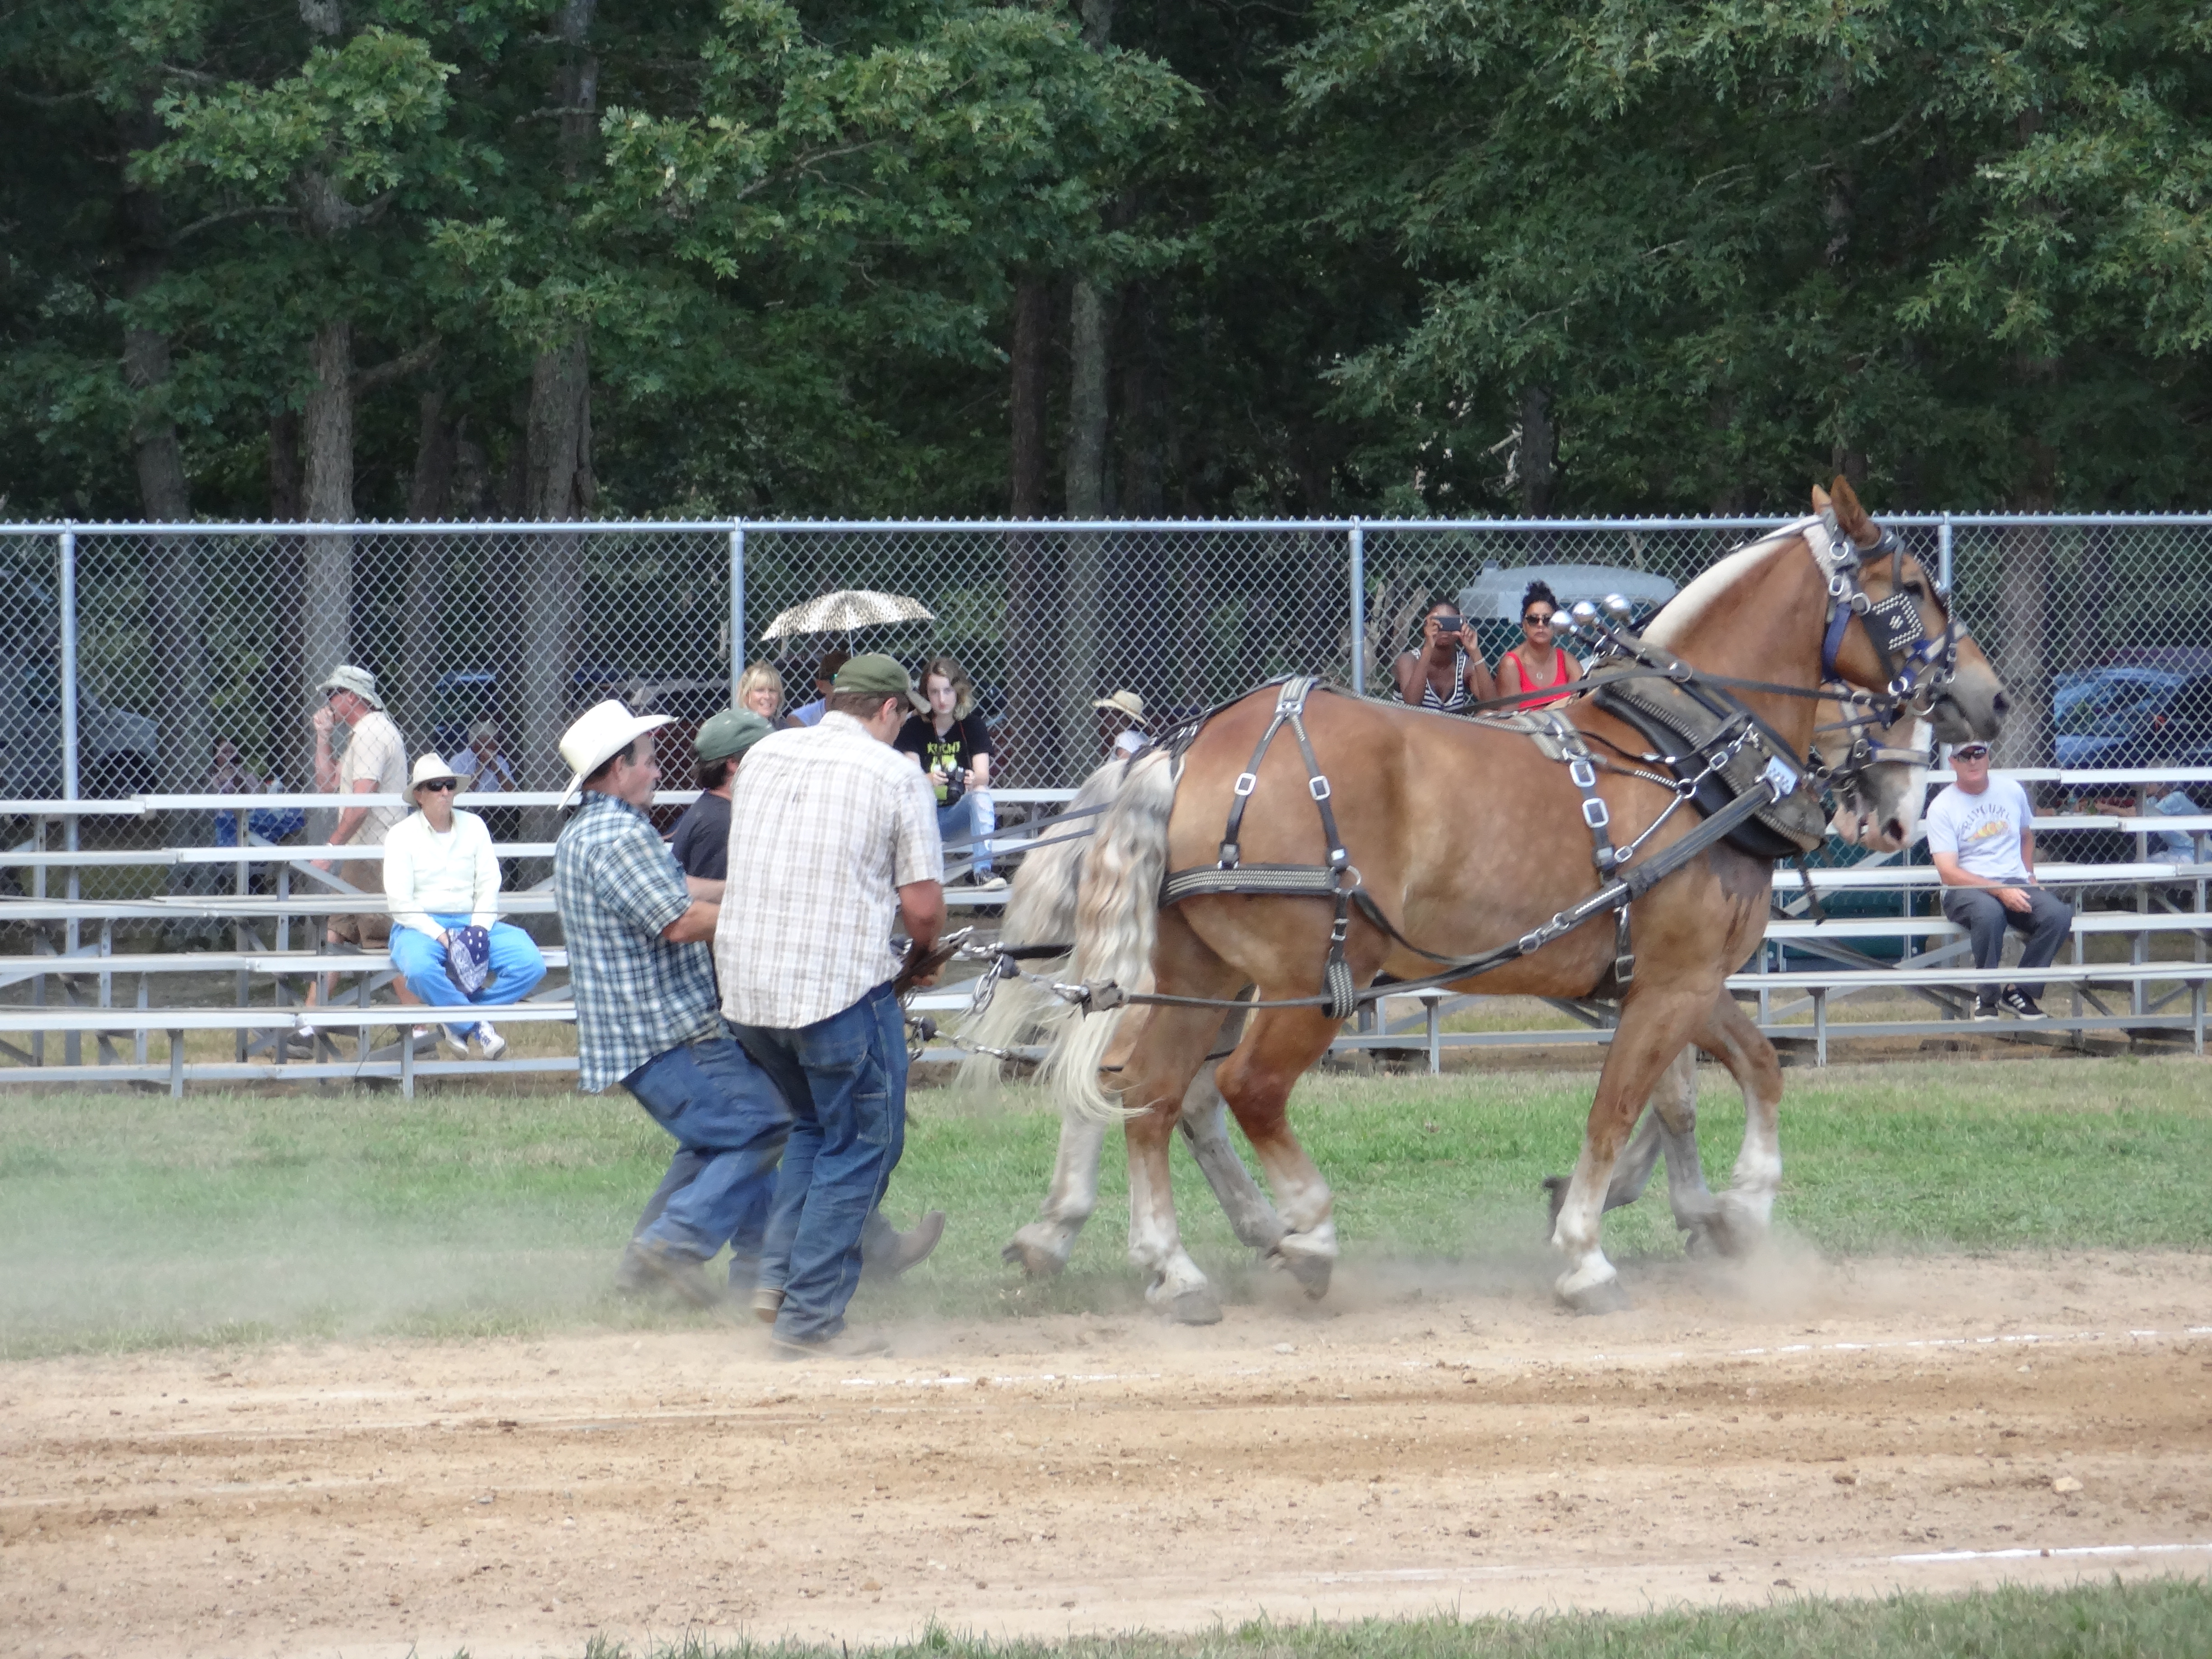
x,y
1683,611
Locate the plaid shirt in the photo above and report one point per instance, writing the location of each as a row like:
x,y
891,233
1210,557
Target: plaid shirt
x,y
826,825
637,994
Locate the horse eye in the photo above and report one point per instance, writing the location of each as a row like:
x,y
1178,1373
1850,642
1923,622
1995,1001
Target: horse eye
x,y
1916,590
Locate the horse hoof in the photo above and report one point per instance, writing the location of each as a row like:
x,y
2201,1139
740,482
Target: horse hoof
x,y
1556,1188
1194,1307
1605,1297
1698,1244
1036,1261
1312,1271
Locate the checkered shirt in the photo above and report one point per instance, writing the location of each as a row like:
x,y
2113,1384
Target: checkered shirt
x,y
826,825
636,995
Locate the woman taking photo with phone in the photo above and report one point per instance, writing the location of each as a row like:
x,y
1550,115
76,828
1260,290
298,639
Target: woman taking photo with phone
x,y
1537,664
1442,673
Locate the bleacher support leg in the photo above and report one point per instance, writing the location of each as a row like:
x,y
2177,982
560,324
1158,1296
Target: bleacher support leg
x,y
176,1065
1821,1026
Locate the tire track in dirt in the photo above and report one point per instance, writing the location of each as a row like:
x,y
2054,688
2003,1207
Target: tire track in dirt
x,y
1421,1441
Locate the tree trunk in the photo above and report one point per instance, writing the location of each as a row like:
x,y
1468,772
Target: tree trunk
x,y
2024,631
1089,345
423,589
557,487
176,626
1030,741
326,567
1538,445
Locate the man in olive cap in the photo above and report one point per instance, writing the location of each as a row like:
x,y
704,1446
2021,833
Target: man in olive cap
x,y
702,842
833,842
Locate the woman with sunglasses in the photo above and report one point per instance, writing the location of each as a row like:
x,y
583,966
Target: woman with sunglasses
x,y
1442,673
441,877
1537,664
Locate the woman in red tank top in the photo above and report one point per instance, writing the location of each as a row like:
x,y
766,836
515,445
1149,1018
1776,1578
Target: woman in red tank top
x,y
1536,663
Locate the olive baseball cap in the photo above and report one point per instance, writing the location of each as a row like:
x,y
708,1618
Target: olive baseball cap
x,y
729,734
874,675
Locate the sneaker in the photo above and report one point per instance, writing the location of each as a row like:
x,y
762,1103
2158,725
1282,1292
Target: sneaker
x,y
987,881
2019,1004
489,1043
650,1264
767,1304
851,1343
1985,1007
904,1251
453,1041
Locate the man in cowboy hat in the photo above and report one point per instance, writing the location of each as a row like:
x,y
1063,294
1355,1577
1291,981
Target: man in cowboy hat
x,y
374,764
643,980
833,840
442,879
702,847
1132,737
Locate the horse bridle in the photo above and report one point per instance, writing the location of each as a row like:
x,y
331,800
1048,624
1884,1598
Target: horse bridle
x,y
1915,668
1862,747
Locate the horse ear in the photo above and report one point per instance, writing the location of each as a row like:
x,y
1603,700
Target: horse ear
x,y
1819,499
1849,515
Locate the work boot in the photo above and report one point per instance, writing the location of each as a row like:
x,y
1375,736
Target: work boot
x,y
905,1249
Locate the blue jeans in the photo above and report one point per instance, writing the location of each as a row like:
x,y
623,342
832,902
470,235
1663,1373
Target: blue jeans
x,y
875,1235
845,1077
727,1111
516,966
971,816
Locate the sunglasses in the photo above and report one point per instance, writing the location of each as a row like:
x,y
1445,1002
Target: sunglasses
x,y
1535,619
443,786
1971,751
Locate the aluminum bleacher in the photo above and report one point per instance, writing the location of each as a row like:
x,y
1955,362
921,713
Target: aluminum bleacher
x,y
1803,979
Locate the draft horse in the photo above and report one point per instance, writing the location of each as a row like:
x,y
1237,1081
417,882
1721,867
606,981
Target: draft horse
x,y
1468,842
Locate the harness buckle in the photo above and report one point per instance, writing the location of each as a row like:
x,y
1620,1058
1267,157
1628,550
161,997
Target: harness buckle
x,y
1247,782
1839,586
1595,813
1531,941
1317,787
1230,853
1584,774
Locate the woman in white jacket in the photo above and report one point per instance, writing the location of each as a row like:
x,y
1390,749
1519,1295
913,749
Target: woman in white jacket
x,y
440,875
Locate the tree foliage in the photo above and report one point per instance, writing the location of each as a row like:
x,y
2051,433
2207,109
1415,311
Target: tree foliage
x,y
1429,256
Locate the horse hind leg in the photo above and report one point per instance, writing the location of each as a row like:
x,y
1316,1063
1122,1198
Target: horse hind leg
x,y
1256,1081
1667,1129
1041,1249
1204,1124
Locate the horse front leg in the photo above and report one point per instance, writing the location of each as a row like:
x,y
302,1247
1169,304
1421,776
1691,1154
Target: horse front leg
x,y
1740,1218
1654,1031
1157,1074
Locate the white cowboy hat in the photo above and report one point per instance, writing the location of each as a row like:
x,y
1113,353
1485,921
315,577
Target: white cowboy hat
x,y
1122,702
601,732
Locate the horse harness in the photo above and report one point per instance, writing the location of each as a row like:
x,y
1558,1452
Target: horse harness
x,y
1741,776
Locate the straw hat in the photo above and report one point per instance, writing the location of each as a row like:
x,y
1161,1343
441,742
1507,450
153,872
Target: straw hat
x,y
1123,703
602,731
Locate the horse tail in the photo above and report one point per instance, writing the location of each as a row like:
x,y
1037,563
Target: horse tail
x,y
1040,909
1117,924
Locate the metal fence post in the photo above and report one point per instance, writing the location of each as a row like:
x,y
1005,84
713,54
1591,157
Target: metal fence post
x,y
1943,554
72,1043
1357,542
736,609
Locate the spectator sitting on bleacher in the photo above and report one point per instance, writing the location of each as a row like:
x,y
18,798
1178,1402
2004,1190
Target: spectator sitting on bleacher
x,y
2164,801
482,769
443,882
1981,840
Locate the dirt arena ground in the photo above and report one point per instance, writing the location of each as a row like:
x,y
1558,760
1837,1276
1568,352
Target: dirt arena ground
x,y
1406,1446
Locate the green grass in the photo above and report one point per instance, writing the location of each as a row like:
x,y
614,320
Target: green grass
x,y
129,1221
2166,1618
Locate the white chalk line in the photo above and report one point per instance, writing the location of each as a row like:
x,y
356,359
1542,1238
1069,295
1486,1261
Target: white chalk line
x,y
1939,1558
970,1382
2023,1337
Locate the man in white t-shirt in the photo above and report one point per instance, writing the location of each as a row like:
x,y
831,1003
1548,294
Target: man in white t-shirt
x,y
1979,836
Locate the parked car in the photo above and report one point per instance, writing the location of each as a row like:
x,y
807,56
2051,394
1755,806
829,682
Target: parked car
x,y
2124,715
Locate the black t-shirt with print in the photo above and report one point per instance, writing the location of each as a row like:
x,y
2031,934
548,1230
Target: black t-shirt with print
x,y
954,752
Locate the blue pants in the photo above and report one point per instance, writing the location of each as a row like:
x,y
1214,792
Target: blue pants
x,y
516,966
971,817
724,1110
876,1234
845,1078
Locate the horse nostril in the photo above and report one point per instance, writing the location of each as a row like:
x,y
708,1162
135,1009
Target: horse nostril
x,y
2000,703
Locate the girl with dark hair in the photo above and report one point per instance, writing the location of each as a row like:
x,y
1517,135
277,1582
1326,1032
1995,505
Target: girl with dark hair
x,y
1440,672
1537,664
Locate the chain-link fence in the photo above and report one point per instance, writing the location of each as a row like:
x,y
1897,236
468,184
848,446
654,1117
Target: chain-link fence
x,y
198,648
